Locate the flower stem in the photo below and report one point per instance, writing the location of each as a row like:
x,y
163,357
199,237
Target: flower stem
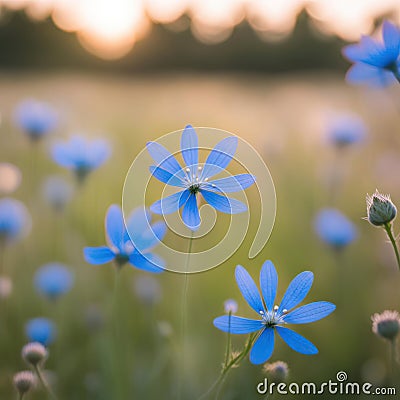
x,y
389,232
183,317
228,342
393,358
44,383
227,367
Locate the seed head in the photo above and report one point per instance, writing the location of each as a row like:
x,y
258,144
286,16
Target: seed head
x,y
386,324
277,371
34,353
380,209
24,381
230,306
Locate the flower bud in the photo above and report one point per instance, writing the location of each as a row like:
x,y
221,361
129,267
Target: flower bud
x,y
34,353
277,371
230,306
386,325
24,381
380,209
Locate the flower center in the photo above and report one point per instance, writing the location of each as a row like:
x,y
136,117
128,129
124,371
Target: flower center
x,y
194,179
273,318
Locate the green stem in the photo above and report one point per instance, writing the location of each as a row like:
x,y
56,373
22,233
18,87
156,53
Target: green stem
x,y
226,368
393,358
20,396
44,383
228,342
388,229
119,367
183,317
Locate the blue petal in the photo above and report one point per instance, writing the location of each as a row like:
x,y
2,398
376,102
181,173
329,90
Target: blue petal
x,y
137,223
115,226
353,52
361,73
231,184
98,255
297,291
163,158
190,213
249,289
296,342
237,325
150,237
147,262
263,347
223,204
391,38
166,177
190,147
310,313
62,156
170,204
269,284
220,157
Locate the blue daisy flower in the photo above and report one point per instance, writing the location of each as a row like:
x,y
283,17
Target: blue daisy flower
x,y
375,63
53,280
346,129
81,155
40,330
120,245
57,191
274,318
194,179
35,118
334,228
15,221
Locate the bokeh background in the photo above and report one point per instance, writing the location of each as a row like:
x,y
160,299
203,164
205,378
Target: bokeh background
x,y
131,71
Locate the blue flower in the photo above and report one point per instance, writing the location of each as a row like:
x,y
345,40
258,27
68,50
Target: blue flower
x,y
346,129
376,63
273,317
40,330
194,178
81,155
35,118
15,220
57,192
120,246
334,228
53,280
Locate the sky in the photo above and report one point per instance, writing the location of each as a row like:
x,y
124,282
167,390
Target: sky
x,y
110,28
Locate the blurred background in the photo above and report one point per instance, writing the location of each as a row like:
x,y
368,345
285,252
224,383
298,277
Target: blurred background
x,y
129,71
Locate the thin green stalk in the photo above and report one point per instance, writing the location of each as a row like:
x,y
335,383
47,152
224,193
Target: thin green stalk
x,y
389,232
226,368
2,256
184,316
228,342
393,358
20,396
44,383
118,368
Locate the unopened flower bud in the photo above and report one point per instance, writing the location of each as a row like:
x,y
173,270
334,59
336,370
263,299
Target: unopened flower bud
x,y
277,371
24,381
34,353
380,209
230,306
386,325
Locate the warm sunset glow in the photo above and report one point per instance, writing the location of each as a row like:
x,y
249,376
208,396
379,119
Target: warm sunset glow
x,y
110,28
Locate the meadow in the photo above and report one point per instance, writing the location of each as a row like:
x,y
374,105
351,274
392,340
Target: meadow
x,y
285,118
